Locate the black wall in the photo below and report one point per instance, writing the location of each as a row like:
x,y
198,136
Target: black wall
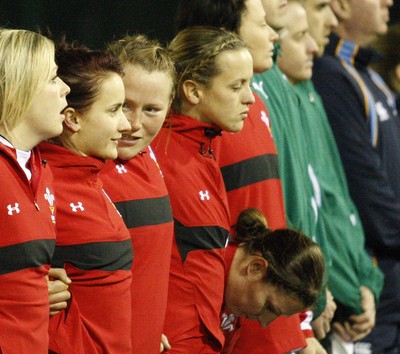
x,y
96,22
93,22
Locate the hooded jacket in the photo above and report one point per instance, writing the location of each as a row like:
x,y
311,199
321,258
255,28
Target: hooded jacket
x,y
138,191
249,164
94,247
27,240
200,210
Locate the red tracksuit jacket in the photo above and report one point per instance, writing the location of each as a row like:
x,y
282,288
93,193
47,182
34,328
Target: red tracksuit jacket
x,y
94,247
27,239
249,164
201,216
138,190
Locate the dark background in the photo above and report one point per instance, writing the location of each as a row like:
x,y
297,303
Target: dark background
x,y
96,22
92,22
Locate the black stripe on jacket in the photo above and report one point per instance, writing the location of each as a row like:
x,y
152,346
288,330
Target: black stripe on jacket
x,y
250,171
26,255
192,238
145,212
107,256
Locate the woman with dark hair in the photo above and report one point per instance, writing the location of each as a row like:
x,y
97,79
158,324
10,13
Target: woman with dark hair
x,y
283,267
93,244
249,159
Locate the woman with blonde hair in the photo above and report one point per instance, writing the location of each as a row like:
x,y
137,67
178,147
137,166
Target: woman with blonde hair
x,y
32,98
144,202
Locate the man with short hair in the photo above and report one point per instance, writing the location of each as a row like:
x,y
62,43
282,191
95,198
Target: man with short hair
x,y
367,130
353,280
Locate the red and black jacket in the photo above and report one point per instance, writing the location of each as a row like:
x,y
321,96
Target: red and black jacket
x,y
94,247
249,163
27,240
138,191
201,216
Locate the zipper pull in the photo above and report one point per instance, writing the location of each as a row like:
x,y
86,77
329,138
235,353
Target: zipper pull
x,y
36,204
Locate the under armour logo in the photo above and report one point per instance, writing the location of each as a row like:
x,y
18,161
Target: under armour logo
x,y
12,209
121,169
227,322
77,207
204,195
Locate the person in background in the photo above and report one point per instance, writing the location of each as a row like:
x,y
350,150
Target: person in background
x,y
93,244
32,99
214,70
300,184
366,127
356,287
388,65
143,202
248,159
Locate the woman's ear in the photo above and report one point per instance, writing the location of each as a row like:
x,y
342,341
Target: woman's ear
x,y
256,268
192,91
71,119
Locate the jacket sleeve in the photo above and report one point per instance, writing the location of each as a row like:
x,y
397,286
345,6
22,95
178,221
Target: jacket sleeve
x,y
366,175
370,275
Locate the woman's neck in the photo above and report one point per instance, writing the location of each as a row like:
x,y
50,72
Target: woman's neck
x,y
26,143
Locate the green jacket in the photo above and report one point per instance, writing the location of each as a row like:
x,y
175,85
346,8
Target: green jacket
x,y
338,224
300,204
300,187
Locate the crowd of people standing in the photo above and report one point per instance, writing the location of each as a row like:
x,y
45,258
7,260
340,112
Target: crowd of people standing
x,y
235,191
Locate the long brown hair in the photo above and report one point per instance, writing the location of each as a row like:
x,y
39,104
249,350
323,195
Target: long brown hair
x,y
295,262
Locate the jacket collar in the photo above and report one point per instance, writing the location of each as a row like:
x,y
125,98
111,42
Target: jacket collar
x,y
199,133
351,52
61,157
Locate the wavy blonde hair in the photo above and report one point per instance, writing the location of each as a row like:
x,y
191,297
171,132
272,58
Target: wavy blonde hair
x,y
26,60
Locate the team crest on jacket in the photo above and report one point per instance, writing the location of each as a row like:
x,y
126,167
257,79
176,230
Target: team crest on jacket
x,y
50,199
227,322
